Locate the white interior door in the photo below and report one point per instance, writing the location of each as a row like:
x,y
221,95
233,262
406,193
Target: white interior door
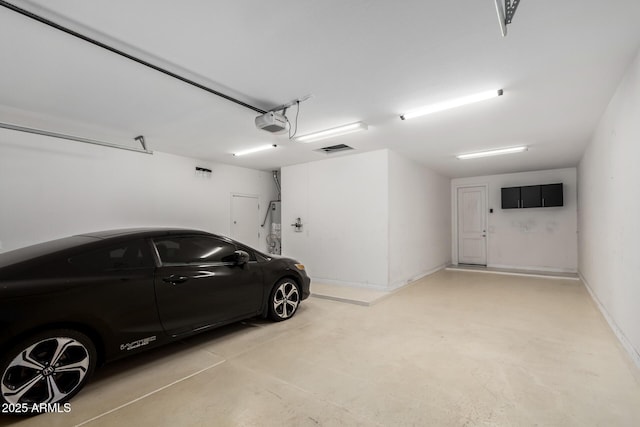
x,y
472,225
244,219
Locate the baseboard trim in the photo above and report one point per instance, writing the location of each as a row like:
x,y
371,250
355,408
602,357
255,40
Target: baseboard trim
x,y
507,272
385,291
402,283
351,284
346,300
626,344
390,288
530,268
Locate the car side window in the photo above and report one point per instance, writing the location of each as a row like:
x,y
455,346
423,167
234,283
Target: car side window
x,y
193,250
118,257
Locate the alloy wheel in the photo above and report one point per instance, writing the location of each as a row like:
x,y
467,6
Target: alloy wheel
x,y
47,371
285,299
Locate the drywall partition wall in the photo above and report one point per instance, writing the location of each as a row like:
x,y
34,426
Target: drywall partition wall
x,y
51,188
609,212
419,221
343,205
543,239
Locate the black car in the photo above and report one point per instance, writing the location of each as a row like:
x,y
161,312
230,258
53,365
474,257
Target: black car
x,y
69,305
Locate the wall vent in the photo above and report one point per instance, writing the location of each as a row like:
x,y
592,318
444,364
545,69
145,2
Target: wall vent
x,y
334,149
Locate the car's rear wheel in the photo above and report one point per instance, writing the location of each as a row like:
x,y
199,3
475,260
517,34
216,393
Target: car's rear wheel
x,y
47,368
284,300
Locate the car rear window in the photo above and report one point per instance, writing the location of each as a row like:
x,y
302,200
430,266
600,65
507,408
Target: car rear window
x,y
28,253
122,256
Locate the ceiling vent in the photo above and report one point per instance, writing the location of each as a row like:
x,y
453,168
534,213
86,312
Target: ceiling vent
x,y
334,149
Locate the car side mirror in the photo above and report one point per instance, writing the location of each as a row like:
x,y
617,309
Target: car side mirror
x,y
241,257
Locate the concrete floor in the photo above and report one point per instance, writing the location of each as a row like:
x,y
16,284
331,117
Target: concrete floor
x,y
453,349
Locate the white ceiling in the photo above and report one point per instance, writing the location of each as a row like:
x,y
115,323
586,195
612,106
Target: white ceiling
x,y
362,61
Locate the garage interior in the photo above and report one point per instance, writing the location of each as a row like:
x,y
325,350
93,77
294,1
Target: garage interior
x,y
541,329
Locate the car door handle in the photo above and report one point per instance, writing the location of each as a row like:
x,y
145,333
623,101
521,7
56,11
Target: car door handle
x,y
173,279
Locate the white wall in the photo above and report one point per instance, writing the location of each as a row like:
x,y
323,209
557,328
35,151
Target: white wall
x,y
419,221
373,219
541,239
343,204
51,188
609,212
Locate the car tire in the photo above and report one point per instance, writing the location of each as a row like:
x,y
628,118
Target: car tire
x,y
284,300
45,370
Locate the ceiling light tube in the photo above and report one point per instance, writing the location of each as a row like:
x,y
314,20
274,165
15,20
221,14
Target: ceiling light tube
x,y
255,150
453,103
488,153
330,133
501,17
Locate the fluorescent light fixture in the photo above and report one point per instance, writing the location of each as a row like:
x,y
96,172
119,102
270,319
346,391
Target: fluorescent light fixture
x,y
488,153
501,17
453,103
255,150
330,133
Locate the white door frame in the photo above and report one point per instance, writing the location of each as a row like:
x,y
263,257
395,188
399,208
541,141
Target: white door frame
x,y
454,219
